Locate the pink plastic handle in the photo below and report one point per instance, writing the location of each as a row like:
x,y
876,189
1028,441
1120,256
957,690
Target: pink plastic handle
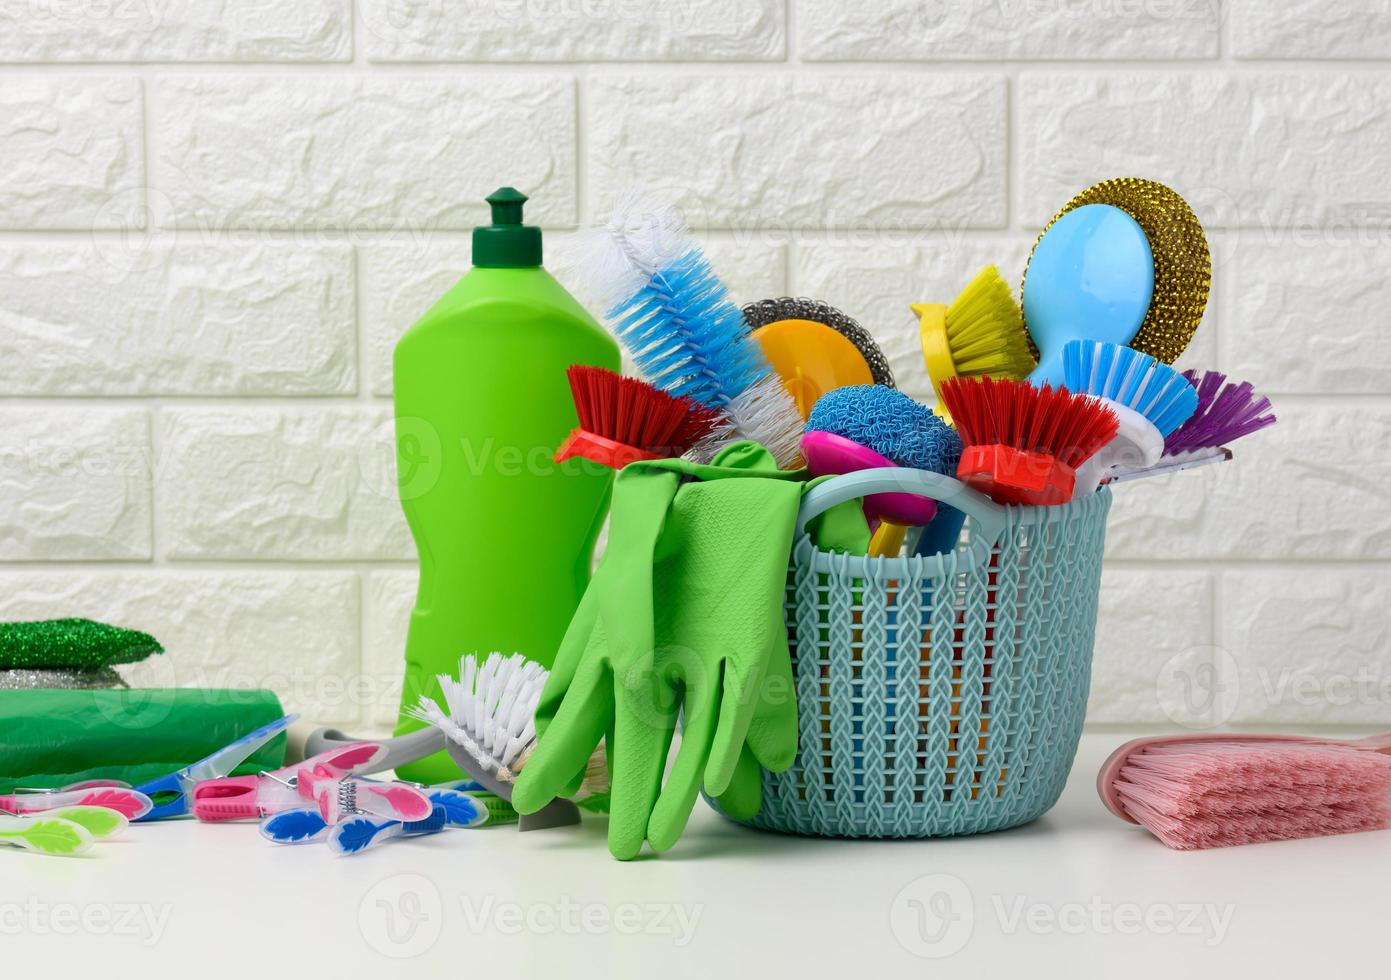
x,y
394,801
130,804
228,798
246,797
828,454
1111,769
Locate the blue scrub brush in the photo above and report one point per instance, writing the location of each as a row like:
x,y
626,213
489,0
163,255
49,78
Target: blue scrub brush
x,y
675,318
1149,398
866,426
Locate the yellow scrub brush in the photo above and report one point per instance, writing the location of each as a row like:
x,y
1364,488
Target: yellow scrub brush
x,y
980,334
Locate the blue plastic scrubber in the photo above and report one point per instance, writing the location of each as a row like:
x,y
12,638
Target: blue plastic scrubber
x,y
889,422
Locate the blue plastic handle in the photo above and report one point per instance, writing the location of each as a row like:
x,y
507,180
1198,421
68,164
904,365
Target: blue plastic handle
x,y
1090,277
176,783
219,763
988,518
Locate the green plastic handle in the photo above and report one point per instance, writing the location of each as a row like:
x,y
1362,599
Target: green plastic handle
x,y
988,519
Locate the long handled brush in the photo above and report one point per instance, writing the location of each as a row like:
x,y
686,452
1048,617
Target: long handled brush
x,y
1149,398
1226,411
674,316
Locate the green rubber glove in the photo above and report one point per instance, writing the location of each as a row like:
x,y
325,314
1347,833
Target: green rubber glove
x,y
683,617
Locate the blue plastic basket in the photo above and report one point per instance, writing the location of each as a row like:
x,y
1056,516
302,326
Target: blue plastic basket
x,y
938,695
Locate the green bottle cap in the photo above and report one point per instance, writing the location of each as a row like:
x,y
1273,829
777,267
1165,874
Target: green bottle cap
x,y
506,243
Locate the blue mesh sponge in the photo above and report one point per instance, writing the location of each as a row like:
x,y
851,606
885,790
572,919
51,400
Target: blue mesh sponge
x,y
889,422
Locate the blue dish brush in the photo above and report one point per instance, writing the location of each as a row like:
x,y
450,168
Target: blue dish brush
x,y
675,318
1150,400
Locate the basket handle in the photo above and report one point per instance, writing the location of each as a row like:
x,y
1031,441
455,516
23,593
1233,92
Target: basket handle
x,y
988,518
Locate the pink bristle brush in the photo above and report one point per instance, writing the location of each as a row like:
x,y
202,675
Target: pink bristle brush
x,y
1216,790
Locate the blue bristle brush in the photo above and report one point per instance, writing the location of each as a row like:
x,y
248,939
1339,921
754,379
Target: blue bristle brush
x,y
1150,400
675,318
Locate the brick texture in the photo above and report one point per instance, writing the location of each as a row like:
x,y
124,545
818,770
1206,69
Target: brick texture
x,y
218,216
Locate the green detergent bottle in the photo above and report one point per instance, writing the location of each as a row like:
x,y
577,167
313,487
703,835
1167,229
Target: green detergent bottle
x,y
505,535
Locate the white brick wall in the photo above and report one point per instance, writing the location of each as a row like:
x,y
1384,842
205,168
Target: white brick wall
x,y
216,216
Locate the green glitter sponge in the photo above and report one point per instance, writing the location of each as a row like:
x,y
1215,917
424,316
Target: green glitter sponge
x,y
51,644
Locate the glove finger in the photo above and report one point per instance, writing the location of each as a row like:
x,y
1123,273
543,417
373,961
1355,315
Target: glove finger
x,y
571,737
772,734
700,713
747,700
744,795
643,726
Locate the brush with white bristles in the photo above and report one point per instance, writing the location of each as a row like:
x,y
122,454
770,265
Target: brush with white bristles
x,y
490,714
673,315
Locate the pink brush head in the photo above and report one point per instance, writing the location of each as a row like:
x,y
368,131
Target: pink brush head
x,y
1203,791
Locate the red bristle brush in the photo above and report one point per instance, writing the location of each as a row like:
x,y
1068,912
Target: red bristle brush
x,y
1024,443
1215,790
623,420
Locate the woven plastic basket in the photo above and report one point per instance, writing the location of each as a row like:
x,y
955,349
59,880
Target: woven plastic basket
x,y
939,695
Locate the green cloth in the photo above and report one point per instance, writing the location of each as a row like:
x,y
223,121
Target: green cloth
x,y
684,614
52,644
55,737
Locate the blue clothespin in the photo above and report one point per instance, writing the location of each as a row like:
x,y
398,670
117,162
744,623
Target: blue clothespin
x,y
220,763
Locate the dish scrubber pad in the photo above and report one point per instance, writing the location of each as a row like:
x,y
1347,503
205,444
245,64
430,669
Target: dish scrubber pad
x,y
80,644
889,422
1182,261
766,311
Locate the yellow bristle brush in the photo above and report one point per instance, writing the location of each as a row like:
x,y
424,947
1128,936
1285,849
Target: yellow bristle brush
x,y
980,334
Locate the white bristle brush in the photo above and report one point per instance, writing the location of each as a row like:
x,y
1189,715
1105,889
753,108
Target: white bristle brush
x,y
490,713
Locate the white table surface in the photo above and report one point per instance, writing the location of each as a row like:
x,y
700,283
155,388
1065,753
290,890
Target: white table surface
x,y
1076,894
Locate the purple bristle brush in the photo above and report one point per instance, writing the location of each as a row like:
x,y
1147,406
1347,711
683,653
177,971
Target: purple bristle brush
x,y
1226,412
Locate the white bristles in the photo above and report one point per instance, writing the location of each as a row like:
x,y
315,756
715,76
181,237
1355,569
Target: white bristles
x,y
491,708
490,711
765,413
643,234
